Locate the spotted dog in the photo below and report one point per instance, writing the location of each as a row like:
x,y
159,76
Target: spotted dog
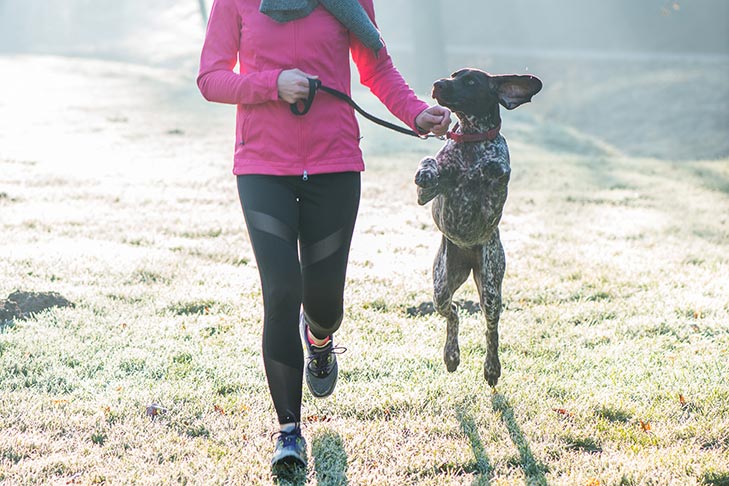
x,y
467,182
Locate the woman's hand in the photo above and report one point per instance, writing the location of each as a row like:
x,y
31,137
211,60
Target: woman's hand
x,y
435,119
293,85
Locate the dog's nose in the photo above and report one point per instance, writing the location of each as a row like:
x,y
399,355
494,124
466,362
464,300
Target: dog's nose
x,y
440,84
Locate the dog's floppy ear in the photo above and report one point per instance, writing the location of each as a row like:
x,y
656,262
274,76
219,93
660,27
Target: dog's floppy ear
x,y
513,90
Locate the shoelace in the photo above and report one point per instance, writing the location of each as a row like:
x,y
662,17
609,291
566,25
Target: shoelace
x,y
287,438
319,361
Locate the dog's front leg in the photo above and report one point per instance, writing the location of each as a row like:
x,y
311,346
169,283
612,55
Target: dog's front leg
x,y
426,179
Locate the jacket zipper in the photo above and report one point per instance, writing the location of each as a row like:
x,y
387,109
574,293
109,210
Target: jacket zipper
x,y
299,128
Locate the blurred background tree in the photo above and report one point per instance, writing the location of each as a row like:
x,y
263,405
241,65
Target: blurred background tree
x,y
429,41
203,11
426,31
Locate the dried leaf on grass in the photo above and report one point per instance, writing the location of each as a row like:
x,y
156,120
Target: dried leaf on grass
x,y
154,410
318,418
686,406
72,479
563,411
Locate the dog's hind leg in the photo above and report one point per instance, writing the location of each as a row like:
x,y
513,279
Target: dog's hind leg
x,y
488,274
450,270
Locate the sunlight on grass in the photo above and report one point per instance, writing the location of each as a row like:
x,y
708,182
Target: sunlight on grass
x,y
614,335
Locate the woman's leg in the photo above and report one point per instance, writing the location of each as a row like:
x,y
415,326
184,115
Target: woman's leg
x,y
271,211
328,210
324,210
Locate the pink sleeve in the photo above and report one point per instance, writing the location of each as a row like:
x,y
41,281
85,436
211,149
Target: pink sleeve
x,y
384,80
217,80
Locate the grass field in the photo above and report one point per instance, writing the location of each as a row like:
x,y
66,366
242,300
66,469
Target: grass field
x,y
115,191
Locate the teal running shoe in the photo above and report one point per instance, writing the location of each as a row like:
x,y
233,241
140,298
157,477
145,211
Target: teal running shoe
x,y
290,450
321,367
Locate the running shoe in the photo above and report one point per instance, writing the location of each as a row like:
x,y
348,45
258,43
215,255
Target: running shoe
x,y
321,367
290,450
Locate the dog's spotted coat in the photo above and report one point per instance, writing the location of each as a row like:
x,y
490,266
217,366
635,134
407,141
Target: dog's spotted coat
x,y
467,182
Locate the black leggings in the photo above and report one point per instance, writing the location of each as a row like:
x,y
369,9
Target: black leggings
x,y
319,214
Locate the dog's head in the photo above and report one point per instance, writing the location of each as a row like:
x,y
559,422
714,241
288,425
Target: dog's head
x,y
477,93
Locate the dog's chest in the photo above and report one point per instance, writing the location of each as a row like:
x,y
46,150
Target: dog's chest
x,y
468,163
469,208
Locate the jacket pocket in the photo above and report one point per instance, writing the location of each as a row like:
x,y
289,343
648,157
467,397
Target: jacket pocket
x,y
243,122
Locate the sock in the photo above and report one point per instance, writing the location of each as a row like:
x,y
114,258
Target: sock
x,y
288,428
309,336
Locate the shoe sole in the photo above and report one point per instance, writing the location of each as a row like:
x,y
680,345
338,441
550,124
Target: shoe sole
x,y
289,461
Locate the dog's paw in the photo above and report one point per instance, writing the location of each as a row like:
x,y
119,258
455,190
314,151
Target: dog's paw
x,y
492,370
452,357
496,172
426,177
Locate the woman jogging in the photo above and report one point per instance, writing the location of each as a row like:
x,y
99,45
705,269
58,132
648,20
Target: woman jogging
x,y
299,176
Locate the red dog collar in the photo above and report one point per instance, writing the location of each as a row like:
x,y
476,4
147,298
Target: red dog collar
x,y
473,137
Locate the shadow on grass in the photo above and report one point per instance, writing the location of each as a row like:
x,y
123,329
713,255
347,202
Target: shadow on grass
x,y
713,478
289,476
427,308
330,459
469,429
6,325
533,470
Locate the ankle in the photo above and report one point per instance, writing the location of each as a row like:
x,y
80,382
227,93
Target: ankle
x,y
315,340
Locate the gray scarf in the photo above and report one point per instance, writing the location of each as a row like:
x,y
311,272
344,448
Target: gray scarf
x,y
348,12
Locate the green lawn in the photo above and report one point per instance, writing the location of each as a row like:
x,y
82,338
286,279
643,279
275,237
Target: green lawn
x,y
614,335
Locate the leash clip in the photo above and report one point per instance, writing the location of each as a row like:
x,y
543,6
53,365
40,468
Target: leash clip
x,y
314,85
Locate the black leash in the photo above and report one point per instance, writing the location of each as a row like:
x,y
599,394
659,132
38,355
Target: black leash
x,y
315,85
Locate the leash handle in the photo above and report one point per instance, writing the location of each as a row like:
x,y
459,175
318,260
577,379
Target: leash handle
x,y
315,84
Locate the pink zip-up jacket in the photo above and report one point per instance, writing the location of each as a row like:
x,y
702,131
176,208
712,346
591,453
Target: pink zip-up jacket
x,y
269,138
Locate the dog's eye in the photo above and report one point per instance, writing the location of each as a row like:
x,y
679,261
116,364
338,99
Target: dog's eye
x,y
470,82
